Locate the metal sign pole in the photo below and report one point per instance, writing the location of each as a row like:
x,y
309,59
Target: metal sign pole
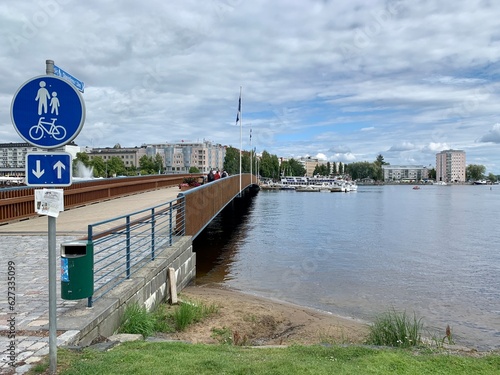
x,y
52,295
52,275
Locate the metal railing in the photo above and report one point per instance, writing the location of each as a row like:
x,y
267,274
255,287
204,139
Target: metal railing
x,y
125,244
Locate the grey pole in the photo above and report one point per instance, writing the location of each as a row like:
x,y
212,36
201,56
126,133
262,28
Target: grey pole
x,y
49,70
52,275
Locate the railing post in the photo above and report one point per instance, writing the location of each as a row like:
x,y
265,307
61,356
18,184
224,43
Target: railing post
x,y
89,239
170,223
128,247
153,221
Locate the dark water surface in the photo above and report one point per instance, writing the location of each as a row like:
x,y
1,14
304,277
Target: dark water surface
x,y
435,251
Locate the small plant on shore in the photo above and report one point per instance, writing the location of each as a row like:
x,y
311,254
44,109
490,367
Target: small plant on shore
x,y
191,312
396,329
448,338
224,335
137,319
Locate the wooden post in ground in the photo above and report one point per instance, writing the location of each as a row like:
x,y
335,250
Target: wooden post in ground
x,y
172,285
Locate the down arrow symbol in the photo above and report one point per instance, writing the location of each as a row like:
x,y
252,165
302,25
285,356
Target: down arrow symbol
x,y
38,172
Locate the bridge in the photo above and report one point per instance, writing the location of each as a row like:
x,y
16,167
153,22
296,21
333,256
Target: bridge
x,y
136,241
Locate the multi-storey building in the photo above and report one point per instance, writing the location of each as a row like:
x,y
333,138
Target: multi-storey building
x,y
13,156
310,164
450,166
129,155
180,157
407,173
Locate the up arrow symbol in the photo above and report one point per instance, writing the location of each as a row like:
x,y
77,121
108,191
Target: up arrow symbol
x,y
38,172
59,166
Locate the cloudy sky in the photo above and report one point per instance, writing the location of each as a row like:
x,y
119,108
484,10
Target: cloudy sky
x,y
344,80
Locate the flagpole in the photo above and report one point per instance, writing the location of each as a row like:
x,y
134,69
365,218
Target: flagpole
x,y
251,157
241,136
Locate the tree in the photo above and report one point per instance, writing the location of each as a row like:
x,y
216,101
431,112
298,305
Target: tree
x,y
194,169
492,178
146,165
116,166
100,167
269,165
245,162
475,172
158,164
378,163
84,158
432,173
361,170
293,168
322,170
232,161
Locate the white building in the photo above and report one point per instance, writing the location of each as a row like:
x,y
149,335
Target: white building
x,y
404,173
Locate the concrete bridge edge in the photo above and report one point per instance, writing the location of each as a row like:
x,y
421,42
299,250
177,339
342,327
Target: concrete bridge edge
x,y
148,287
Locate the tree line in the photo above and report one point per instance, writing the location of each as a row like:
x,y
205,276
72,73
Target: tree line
x,y
268,166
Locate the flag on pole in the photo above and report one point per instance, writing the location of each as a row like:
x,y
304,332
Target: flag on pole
x,y
239,111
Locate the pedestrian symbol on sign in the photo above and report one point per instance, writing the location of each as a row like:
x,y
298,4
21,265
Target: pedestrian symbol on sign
x,y
42,96
48,112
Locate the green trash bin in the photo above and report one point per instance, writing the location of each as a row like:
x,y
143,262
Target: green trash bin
x,y
77,270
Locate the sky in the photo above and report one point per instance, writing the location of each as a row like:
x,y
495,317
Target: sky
x,y
342,80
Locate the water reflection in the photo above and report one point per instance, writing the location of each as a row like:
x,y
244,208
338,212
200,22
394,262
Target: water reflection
x,y
215,245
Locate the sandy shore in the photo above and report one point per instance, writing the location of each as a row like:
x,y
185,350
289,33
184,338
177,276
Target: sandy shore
x,y
252,320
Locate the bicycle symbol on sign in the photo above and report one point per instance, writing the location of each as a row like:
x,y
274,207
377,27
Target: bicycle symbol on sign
x,y
37,131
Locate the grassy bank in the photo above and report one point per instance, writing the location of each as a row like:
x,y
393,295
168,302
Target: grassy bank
x,y
139,358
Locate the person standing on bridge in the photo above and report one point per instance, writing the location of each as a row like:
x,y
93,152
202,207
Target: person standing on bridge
x,y
217,175
210,176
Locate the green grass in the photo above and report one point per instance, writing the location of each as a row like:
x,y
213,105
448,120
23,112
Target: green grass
x,y
192,312
137,319
396,329
141,357
165,318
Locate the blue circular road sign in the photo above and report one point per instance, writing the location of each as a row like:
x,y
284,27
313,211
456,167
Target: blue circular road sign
x,y
48,112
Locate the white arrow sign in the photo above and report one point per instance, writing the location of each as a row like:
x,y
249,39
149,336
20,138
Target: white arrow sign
x,y
38,172
59,166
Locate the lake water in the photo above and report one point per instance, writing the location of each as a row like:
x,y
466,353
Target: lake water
x,y
433,251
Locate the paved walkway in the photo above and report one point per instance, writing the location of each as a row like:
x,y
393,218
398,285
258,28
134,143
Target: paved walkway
x,y
26,244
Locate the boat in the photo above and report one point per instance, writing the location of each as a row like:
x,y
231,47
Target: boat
x,y
440,183
480,182
416,187
351,185
309,188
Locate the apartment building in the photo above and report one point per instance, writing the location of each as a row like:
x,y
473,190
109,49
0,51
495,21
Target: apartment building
x,y
310,164
129,155
180,157
405,173
450,166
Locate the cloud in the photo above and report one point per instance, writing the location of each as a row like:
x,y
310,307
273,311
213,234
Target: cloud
x,y
403,146
436,147
492,136
340,149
